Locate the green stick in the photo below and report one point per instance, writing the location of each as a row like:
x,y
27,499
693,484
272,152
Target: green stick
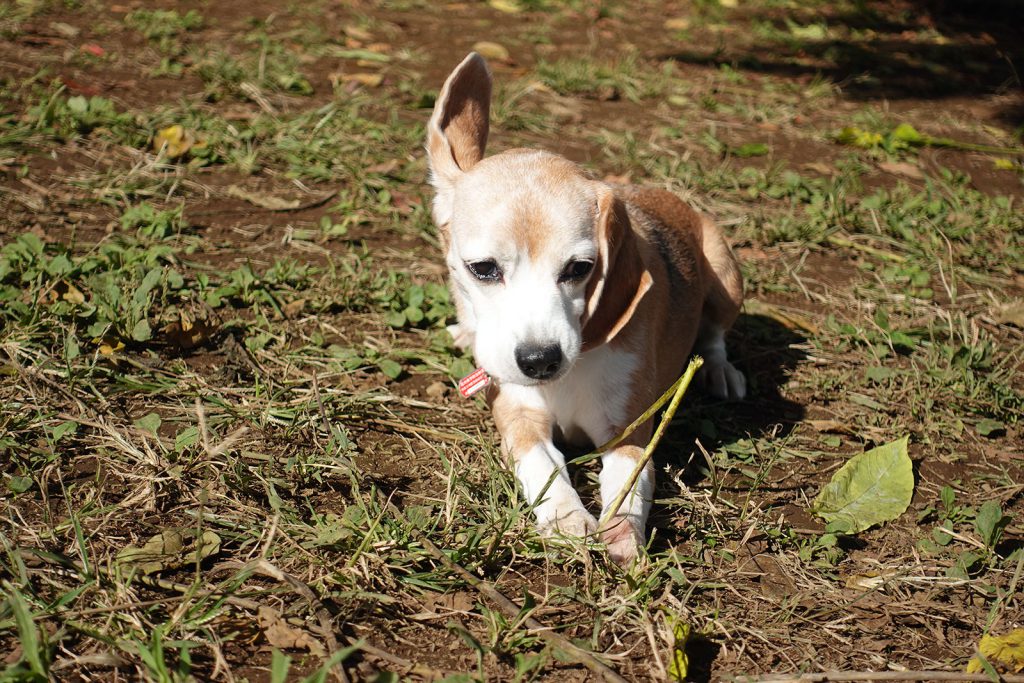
x,y
681,385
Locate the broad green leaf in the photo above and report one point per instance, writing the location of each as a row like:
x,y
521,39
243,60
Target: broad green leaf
x,y
395,318
389,367
19,484
149,423
63,429
991,522
751,149
907,133
987,427
140,300
873,487
413,314
279,665
142,332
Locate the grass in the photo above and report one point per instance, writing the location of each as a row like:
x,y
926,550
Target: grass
x,y
228,433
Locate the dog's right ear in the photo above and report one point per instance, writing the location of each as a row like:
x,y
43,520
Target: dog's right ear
x,y
457,132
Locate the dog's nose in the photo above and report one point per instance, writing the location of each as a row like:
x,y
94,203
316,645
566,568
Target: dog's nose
x,y
539,362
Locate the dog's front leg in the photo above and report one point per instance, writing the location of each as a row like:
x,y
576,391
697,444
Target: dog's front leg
x,y
526,429
623,533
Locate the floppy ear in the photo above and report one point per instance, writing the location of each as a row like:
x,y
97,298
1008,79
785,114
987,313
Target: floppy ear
x,y
620,278
457,131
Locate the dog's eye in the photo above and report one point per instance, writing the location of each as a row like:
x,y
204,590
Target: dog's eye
x,y
575,271
485,271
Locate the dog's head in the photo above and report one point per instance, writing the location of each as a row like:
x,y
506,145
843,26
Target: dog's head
x,y
543,260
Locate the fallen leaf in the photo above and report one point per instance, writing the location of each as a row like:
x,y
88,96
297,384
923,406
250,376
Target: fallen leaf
x,y
93,49
357,33
507,6
868,582
677,24
186,333
902,168
293,308
260,200
1003,652
494,51
73,295
168,550
158,553
873,487
173,141
1011,313
109,345
281,635
437,390
66,30
679,664
367,79
821,168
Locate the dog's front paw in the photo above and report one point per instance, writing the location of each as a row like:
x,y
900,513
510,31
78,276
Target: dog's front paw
x,y
577,522
723,380
623,537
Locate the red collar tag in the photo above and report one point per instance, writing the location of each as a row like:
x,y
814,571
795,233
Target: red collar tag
x,y
474,382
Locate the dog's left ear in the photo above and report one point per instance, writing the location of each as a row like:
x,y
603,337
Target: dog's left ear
x,y
457,132
620,278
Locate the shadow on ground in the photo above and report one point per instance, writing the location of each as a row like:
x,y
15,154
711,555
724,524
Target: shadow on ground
x,y
767,352
923,50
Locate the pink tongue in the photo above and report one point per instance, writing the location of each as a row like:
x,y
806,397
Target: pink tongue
x,y
474,382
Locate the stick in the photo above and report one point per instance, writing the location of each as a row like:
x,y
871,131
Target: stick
x,y
512,610
826,676
681,385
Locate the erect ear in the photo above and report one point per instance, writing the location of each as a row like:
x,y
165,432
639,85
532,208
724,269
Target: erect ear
x,y
457,132
620,277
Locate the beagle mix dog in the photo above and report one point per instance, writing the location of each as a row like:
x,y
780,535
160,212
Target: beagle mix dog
x,y
581,300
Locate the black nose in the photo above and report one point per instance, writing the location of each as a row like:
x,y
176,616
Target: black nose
x,y
539,362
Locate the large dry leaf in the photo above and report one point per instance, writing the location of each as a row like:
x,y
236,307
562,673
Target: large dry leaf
x,y
873,487
1003,652
169,549
285,637
158,553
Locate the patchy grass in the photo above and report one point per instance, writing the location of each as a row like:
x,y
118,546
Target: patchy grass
x,y
230,446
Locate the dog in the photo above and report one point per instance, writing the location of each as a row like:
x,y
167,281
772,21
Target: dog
x,y
581,300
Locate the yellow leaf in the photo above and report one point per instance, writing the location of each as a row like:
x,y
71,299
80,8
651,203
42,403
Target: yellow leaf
x,y
494,51
369,80
73,295
679,662
677,24
507,6
1003,164
1003,652
174,141
109,345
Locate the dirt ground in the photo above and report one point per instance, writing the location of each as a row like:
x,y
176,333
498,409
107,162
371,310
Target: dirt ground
x,y
236,327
